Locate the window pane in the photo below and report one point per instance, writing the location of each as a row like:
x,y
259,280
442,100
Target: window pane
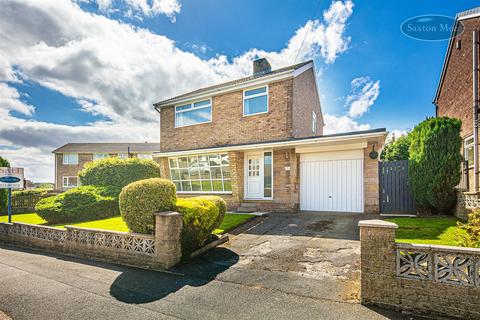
x,y
469,141
184,107
227,185
255,105
186,186
214,160
184,174
178,185
255,91
201,103
174,163
469,155
267,173
193,167
216,173
225,160
205,173
175,174
226,172
193,116
196,186
217,185
207,185
183,162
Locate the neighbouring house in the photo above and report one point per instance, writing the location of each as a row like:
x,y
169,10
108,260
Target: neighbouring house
x,y
457,97
258,142
70,158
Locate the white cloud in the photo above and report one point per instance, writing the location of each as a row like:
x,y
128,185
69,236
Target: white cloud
x,y
334,124
117,70
362,97
141,7
397,133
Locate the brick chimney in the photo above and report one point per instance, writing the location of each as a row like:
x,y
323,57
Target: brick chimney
x,y
261,66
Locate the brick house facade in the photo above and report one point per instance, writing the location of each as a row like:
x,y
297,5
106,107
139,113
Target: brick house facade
x,y
455,98
211,142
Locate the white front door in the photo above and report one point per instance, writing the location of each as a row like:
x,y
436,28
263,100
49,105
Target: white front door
x,y
254,176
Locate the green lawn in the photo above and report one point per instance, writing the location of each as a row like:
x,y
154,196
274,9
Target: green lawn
x,y
440,231
117,224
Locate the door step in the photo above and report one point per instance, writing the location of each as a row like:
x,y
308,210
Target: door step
x,y
247,207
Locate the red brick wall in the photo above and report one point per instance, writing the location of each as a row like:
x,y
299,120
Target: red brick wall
x,y
70,170
228,125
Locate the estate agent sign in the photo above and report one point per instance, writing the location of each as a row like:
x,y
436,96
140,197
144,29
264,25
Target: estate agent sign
x,y
11,178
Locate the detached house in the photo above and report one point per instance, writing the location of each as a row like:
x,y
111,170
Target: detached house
x,y
457,96
71,157
258,142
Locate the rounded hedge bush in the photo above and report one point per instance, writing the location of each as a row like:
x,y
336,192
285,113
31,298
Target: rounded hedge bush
x,y
78,204
141,199
201,215
117,173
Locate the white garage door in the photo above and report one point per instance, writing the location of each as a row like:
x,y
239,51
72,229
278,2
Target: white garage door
x,y
332,181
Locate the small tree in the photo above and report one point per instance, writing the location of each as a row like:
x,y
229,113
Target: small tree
x,y
3,192
434,166
396,149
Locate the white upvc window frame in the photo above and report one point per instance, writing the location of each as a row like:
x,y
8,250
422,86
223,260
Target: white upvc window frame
x,y
67,179
314,122
254,96
67,156
192,104
466,147
96,155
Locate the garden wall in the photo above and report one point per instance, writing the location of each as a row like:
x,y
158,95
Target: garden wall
x,y
421,279
159,251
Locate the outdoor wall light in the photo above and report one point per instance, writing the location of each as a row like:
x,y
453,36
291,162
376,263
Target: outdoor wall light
x,y
373,154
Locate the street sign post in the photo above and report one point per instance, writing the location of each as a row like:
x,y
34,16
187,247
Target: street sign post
x,y
11,178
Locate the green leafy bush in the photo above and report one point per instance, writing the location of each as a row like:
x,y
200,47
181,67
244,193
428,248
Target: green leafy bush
x,y
78,204
117,173
3,192
468,234
141,199
201,215
434,166
31,192
396,149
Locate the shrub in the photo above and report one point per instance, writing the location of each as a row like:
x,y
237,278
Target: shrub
x,y
396,149
468,234
31,192
3,192
78,204
201,215
140,200
115,172
434,166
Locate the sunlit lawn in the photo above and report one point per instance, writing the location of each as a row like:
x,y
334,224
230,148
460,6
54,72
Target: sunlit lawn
x,y
117,224
440,231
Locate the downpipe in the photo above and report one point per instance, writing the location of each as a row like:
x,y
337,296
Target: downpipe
x,y
475,108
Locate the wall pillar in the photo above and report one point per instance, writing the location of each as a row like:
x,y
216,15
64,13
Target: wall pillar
x,y
168,230
378,261
371,181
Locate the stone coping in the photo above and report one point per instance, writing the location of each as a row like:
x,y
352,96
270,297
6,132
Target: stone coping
x,y
433,247
34,225
376,223
121,233
167,213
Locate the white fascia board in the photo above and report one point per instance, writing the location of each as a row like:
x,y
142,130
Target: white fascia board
x,y
233,87
270,145
302,69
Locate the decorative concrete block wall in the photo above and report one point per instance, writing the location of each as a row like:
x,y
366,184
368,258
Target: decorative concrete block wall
x,y
421,279
159,251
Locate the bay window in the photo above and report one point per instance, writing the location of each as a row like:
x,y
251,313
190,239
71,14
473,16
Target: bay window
x,y
204,173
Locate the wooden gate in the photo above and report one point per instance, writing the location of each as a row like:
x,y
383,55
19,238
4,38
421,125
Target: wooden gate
x,y
395,194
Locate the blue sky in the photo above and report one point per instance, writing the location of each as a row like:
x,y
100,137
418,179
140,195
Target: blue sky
x,y
89,71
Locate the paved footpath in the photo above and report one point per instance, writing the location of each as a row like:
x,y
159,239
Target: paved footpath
x,y
284,268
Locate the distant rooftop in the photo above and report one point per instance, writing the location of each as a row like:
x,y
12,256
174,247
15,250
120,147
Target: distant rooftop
x,y
135,147
234,82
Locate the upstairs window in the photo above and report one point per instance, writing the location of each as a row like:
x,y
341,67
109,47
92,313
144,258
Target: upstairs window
x,y
193,113
314,122
70,158
468,151
255,101
97,156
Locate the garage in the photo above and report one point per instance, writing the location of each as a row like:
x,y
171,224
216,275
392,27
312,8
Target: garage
x,y
332,181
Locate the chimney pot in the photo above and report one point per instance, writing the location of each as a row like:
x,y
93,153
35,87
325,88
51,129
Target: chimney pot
x,y
261,66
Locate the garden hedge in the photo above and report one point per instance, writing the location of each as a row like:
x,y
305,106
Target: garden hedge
x,y
434,163
141,199
201,215
3,192
397,149
78,204
117,173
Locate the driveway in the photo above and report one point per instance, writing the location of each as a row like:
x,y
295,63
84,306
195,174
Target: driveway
x,y
303,266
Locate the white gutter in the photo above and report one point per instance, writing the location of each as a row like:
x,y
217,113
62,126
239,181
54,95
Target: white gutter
x,y
292,143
